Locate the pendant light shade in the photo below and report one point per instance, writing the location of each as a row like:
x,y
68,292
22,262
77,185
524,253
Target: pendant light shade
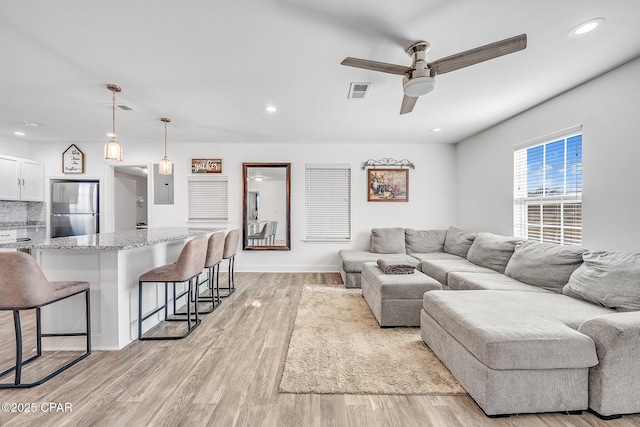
x,y
113,149
165,167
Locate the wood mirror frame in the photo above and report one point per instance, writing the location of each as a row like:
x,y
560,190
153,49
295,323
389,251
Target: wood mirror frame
x,y
266,207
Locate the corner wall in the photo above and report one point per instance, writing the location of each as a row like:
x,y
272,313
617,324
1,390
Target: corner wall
x,y
608,109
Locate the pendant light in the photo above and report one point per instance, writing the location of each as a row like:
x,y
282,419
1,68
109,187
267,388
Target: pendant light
x,y
113,150
165,167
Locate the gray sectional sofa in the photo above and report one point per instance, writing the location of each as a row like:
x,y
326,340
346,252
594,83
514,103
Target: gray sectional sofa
x,y
530,326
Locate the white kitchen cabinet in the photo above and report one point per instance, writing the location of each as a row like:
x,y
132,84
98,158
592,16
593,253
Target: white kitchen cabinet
x,y
21,179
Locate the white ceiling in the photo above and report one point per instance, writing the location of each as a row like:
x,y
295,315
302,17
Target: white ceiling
x,y
212,66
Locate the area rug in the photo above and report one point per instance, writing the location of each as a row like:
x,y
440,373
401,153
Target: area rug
x,y
337,347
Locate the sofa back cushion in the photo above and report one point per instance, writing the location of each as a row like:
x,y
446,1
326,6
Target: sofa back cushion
x,y
458,241
546,265
611,279
387,240
492,251
424,241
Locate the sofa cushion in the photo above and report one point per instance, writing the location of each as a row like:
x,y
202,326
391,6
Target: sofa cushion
x,y
458,241
487,281
424,241
387,240
546,265
440,268
433,256
517,330
492,251
611,279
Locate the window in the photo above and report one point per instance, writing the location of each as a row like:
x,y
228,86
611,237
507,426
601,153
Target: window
x,y
208,199
548,189
327,202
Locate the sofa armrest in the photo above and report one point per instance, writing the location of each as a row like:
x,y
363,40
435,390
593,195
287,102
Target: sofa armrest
x,y
613,383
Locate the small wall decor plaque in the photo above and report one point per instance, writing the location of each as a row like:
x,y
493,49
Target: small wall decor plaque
x,y
72,160
206,165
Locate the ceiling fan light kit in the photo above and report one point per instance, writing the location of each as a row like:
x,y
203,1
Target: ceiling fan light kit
x,y
419,79
418,86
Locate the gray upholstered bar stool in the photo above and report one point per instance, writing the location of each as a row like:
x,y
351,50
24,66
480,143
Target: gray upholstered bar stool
x,y
187,268
215,250
23,286
230,249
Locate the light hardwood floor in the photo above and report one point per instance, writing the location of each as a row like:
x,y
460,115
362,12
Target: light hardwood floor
x,y
227,374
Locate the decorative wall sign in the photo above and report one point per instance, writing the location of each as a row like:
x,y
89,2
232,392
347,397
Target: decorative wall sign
x,y
388,185
206,165
72,160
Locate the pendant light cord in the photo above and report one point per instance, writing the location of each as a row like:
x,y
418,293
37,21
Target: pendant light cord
x,y
113,109
165,139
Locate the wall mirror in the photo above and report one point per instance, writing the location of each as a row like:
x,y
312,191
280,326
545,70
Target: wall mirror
x,y
266,223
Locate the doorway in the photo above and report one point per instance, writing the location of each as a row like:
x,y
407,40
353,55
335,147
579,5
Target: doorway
x,y
130,197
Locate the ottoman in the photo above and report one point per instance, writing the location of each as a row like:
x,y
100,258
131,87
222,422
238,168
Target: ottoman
x,y
395,299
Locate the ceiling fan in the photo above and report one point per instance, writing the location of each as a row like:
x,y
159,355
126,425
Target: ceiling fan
x,y
419,77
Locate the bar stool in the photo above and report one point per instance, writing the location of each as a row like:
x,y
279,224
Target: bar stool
x,y
23,286
230,250
187,268
215,250
259,238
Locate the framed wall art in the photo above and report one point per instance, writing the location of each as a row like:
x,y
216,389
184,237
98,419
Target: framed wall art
x,y
72,160
387,185
206,165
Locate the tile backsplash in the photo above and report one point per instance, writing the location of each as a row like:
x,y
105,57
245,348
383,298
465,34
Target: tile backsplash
x,y
22,213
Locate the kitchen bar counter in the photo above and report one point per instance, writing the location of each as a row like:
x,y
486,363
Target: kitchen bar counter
x,y
21,224
113,241
112,263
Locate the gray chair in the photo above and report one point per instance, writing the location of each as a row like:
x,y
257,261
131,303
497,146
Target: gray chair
x,y
215,250
272,233
187,268
23,286
230,250
261,237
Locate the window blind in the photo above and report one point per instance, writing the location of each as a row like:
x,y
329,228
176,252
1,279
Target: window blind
x,y
548,190
208,199
327,202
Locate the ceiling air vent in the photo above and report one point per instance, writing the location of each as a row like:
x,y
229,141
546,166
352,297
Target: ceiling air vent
x,y
358,90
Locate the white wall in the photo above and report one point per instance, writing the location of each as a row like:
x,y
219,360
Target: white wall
x,y
431,199
15,148
608,109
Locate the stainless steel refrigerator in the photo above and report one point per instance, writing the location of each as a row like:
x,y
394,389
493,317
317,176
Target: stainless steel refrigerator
x,y
75,209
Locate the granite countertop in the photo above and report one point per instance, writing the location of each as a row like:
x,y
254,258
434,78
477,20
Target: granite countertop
x,y
22,224
114,241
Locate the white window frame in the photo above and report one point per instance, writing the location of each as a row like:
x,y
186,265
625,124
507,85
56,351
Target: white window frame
x,y
207,199
567,232
327,202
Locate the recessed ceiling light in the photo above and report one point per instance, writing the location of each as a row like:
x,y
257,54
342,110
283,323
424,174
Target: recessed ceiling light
x,y
270,109
585,28
436,130
19,133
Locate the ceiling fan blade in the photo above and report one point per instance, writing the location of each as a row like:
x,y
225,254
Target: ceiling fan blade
x,y
408,102
376,66
479,54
